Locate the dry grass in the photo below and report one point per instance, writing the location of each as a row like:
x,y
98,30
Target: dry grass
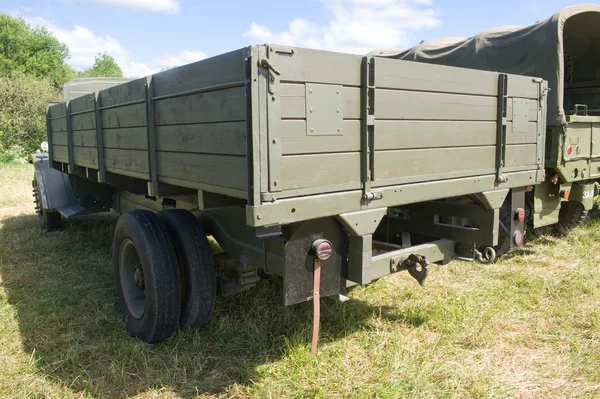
x,y
526,327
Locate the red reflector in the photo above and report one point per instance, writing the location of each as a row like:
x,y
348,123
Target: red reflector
x,y
520,214
569,150
518,237
528,188
555,179
322,249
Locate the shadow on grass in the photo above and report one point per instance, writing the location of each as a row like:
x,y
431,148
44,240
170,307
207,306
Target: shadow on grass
x,y
61,286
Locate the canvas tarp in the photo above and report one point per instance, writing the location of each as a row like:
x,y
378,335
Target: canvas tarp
x,y
537,50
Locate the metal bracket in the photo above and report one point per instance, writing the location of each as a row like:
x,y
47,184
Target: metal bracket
x,y
367,145
501,127
581,107
417,266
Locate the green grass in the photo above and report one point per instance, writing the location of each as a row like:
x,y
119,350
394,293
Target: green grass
x,y
525,327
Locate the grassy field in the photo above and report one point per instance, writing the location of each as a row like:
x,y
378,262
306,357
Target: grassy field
x,y
525,327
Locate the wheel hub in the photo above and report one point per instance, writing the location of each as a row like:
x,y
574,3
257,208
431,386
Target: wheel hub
x,y
138,276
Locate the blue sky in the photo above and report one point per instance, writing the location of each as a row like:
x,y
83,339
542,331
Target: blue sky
x,y
148,35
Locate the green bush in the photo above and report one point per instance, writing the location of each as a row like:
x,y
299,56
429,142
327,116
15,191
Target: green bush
x,y
23,101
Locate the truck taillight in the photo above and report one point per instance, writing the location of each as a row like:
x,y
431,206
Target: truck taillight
x,y
518,237
322,249
520,214
569,150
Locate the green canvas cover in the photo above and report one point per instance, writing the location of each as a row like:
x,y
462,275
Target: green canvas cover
x,y
563,49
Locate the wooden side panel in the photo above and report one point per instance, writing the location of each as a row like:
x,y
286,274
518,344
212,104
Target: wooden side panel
x,y
206,138
308,171
86,156
84,138
218,170
133,115
430,122
123,93
84,121
59,138
219,70
59,153
134,138
417,164
58,125
214,106
126,162
407,75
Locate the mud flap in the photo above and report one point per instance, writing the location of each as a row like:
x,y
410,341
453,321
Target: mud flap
x,y
298,261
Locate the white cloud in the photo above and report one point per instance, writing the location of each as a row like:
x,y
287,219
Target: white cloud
x,y
163,6
355,26
84,44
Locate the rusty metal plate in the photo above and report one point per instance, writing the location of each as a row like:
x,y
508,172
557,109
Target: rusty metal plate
x,y
520,116
324,110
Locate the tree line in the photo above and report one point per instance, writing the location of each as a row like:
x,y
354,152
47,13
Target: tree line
x,y
33,70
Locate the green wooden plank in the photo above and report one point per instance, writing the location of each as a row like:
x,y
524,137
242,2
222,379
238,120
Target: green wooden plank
x,y
86,156
418,163
521,155
301,171
123,93
126,116
133,138
208,138
295,140
60,153
58,138
317,66
84,138
116,160
406,75
396,104
58,125
222,69
85,121
222,170
215,106
57,110
83,103
211,188
396,134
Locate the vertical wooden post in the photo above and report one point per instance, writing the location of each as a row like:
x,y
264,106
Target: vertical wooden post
x,y
99,140
69,137
151,134
49,133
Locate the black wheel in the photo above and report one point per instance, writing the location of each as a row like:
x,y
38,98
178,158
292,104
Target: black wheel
x,y
48,220
571,215
146,276
196,266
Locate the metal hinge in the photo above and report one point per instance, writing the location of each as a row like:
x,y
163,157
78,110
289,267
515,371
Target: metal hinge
x,y
373,195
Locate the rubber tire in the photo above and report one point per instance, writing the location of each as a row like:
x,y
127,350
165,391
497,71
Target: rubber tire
x,y
162,305
196,266
571,215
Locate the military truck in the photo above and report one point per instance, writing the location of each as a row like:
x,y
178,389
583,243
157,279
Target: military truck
x,y
564,50
325,169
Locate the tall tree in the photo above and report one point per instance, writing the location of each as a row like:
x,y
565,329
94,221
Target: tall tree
x,y
104,66
33,51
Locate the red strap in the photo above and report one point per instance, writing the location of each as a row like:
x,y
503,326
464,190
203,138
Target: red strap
x,y
317,304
